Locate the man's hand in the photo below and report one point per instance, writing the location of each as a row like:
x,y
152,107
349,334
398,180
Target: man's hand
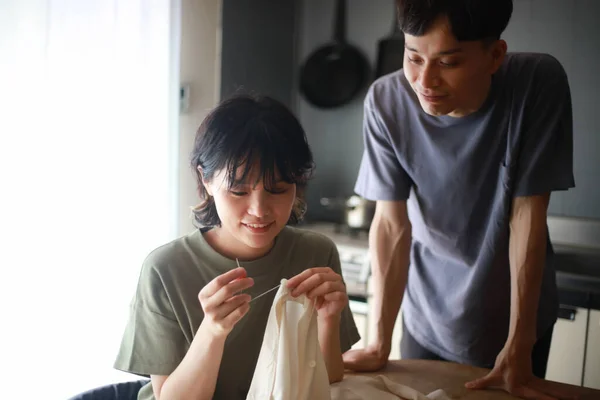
x,y
368,359
512,373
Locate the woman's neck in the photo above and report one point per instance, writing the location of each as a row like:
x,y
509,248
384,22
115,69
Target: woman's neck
x,y
229,246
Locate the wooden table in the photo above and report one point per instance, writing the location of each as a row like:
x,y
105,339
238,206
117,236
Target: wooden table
x,y
428,376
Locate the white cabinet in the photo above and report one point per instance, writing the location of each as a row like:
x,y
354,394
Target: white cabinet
x,y
361,322
591,376
567,351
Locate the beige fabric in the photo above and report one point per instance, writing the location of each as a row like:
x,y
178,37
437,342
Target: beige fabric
x,y
291,367
290,364
356,387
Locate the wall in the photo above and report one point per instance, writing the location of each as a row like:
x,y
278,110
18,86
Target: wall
x,y
336,135
201,68
565,28
569,30
258,48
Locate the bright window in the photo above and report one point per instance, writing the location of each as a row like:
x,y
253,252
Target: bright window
x,y
88,174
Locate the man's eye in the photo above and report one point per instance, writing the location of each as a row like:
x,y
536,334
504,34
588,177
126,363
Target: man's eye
x,y
414,60
448,64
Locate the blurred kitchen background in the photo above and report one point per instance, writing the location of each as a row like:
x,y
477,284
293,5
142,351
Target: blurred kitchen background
x,y
99,104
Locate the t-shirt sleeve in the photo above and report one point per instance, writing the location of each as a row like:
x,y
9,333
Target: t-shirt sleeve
x,y
153,342
348,332
380,176
545,161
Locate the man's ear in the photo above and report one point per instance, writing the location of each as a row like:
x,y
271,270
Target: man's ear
x,y
498,51
204,182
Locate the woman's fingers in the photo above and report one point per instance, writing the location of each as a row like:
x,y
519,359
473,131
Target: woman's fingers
x,y
327,287
313,280
231,289
236,314
223,310
301,277
336,296
216,284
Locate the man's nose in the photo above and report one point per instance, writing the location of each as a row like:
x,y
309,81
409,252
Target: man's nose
x,y
429,77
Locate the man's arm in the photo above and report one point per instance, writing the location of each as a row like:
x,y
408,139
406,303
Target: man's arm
x,y
527,255
389,241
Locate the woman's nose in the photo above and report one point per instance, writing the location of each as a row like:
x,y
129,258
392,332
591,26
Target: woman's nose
x,y
258,204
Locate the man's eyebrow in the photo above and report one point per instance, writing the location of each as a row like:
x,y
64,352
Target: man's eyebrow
x,y
441,53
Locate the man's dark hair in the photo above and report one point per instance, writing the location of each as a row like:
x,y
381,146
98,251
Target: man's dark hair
x,y
470,20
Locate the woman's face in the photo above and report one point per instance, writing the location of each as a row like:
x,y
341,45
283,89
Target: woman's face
x,y
251,216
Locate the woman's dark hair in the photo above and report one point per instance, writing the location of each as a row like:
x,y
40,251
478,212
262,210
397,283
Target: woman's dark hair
x,y
244,130
469,19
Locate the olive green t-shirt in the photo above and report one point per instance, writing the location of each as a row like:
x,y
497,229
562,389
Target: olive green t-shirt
x,y
166,313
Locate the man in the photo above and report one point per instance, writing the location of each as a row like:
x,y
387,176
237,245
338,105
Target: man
x,y
462,149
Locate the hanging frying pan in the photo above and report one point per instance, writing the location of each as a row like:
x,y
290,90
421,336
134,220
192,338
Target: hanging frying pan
x,y
336,72
390,50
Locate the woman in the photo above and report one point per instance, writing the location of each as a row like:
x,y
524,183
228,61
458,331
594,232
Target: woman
x,y
192,327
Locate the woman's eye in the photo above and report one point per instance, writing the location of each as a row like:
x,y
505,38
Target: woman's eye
x,y
237,193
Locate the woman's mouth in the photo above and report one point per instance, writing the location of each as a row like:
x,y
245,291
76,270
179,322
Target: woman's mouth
x,y
258,228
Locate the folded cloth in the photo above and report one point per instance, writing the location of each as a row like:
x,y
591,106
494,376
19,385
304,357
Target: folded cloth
x,y
290,364
357,387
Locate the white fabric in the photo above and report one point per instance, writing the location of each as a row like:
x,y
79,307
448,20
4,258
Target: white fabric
x,y
290,364
291,367
356,387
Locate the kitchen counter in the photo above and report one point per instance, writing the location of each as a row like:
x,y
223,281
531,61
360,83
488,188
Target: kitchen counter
x,y
577,269
341,235
428,376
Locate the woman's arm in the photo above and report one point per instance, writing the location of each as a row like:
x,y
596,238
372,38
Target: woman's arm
x,y
329,340
196,376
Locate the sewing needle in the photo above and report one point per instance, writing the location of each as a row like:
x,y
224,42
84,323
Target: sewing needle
x,y
263,293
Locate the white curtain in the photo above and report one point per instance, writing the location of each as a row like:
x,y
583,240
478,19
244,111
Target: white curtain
x,y
88,169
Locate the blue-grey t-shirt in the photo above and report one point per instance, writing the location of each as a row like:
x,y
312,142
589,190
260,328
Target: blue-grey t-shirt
x,y
459,176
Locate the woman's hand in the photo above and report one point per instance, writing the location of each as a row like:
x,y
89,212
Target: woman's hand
x,y
222,305
324,286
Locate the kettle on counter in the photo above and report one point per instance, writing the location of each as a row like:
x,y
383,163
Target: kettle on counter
x,y
358,212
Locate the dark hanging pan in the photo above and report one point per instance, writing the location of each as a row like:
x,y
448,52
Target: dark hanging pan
x,y
336,72
390,50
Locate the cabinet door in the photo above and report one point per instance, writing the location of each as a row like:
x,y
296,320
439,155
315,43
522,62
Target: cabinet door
x,y
361,324
565,361
396,337
591,377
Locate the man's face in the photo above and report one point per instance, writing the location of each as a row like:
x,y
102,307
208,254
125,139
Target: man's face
x,y
450,77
